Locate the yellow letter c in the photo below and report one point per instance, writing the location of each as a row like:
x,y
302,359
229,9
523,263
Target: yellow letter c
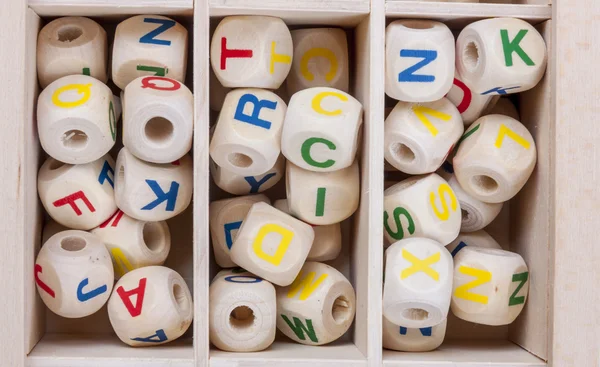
x,y
316,52
84,89
316,103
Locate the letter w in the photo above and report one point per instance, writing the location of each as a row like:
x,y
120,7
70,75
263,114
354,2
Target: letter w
x,y
305,285
298,328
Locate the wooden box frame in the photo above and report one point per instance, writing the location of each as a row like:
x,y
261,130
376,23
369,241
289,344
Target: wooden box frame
x,y
554,216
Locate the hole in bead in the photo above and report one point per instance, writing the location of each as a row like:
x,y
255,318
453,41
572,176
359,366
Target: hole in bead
x,y
403,153
471,56
158,130
341,310
241,317
72,243
180,297
74,139
417,314
69,33
54,164
240,160
465,214
417,24
151,233
484,185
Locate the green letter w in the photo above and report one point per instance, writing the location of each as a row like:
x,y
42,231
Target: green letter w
x,y
298,326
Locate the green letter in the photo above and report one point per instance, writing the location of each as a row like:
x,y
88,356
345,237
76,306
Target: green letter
x,y
513,46
299,326
305,150
520,277
400,232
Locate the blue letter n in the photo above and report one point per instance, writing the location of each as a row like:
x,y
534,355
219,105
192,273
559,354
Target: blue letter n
x,y
409,75
170,196
165,24
253,118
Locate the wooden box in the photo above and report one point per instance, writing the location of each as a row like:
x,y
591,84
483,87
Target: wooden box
x,y
551,222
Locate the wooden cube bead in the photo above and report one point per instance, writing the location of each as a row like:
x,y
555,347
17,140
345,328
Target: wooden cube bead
x,y
490,285
505,107
158,121
419,60
243,312
243,185
478,239
51,228
405,339
74,274
320,60
78,196
419,136
247,137
272,244
150,191
327,244
150,306
471,105
421,206
149,45
322,198
133,243
418,283
494,158
251,51
226,217
318,307
321,130
71,45
500,56
76,119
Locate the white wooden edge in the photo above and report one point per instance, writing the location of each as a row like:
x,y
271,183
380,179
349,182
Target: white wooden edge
x,y
110,7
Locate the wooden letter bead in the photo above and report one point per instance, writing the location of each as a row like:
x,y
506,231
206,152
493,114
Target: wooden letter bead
x,y
405,339
73,274
226,217
505,107
243,312
69,46
476,214
495,158
272,244
158,119
320,60
247,138
76,119
478,239
418,136
133,243
150,306
500,56
471,105
422,206
78,196
318,307
328,239
322,198
490,285
149,45
251,51
418,283
243,185
419,60
51,228
153,192
321,129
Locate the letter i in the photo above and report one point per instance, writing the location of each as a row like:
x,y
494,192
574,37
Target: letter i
x,y
320,210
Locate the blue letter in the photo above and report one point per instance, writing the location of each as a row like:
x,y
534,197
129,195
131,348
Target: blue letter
x,y
170,197
499,90
258,105
228,228
425,331
164,25
255,185
458,248
408,75
104,174
160,334
252,279
82,297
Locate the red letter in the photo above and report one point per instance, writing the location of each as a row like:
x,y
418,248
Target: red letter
x,y
466,101
44,286
118,215
146,83
139,291
71,201
231,53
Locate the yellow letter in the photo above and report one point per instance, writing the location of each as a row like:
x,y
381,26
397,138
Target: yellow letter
x,y
420,265
305,285
286,239
316,103
121,263
420,111
80,88
511,134
445,214
275,57
482,277
316,52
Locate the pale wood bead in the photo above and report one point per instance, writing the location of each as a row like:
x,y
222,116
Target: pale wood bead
x,y
494,158
327,244
226,217
217,92
318,307
149,45
322,198
78,196
320,60
243,312
51,228
272,244
243,185
247,137
419,136
478,239
504,107
490,285
74,274
133,243
500,56
76,119
405,339
471,105
71,45
419,60
150,191
161,311
421,206
418,283
158,119
251,51
321,129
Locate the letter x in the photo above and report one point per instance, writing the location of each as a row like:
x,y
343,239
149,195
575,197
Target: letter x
x,y
420,265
